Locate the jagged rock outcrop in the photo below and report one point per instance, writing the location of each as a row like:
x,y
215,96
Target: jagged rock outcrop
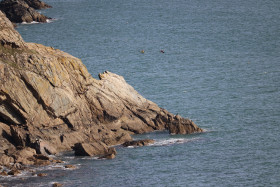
x,y
19,11
37,4
48,96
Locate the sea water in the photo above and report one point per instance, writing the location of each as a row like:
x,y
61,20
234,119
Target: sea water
x,y
220,68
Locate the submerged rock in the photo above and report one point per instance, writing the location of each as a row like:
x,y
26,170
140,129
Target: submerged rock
x,y
138,143
57,185
14,172
3,173
70,167
19,11
42,174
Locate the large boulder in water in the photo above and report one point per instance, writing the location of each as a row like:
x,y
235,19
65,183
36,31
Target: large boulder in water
x,y
19,11
90,149
181,125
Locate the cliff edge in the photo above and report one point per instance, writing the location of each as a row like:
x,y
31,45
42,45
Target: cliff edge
x,y
49,102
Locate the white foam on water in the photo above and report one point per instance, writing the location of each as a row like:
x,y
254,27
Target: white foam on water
x,y
69,157
90,158
33,22
206,130
172,141
50,20
36,22
131,147
24,174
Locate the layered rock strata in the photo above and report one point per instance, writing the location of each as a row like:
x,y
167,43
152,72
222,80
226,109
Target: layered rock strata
x,y
19,11
50,103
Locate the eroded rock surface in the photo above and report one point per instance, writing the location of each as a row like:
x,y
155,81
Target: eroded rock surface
x,y
50,103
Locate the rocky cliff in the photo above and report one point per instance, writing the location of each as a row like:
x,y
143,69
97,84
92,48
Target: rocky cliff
x,y
49,102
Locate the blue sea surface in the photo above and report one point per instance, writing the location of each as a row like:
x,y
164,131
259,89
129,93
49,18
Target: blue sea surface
x,y
220,68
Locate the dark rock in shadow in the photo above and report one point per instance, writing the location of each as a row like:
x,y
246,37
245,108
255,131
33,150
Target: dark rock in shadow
x,y
18,11
14,172
57,185
138,143
37,4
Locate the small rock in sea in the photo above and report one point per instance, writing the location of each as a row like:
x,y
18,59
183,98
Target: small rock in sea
x,y
4,173
41,174
138,143
111,154
58,161
70,167
30,170
57,185
14,172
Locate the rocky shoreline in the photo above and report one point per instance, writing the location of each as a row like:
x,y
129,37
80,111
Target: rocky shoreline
x,y
19,11
49,103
